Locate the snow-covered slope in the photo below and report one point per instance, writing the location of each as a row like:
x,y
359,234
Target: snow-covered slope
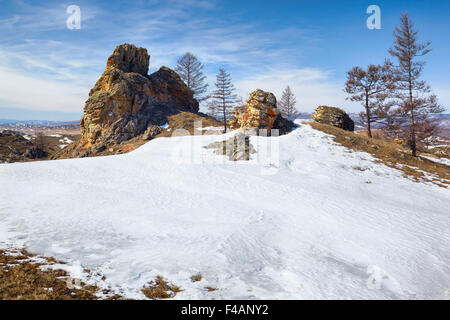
x,y
314,228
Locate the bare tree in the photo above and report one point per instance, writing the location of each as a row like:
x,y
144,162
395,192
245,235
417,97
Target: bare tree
x,y
213,108
286,105
415,100
371,87
224,94
190,70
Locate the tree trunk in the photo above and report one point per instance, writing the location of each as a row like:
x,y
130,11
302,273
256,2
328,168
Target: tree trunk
x,y
369,131
412,130
224,118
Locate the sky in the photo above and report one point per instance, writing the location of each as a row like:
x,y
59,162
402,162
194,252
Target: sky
x,y
47,69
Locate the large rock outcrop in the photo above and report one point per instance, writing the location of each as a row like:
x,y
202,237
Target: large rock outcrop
x,y
260,112
333,116
125,102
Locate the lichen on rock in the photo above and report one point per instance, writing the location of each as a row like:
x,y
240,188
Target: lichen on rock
x,y
129,58
235,148
333,116
260,112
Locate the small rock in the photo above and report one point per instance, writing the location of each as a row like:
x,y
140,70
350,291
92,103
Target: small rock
x,y
236,148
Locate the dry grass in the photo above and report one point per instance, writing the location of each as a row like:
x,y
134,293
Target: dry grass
x,y
210,289
196,277
185,120
13,148
23,279
391,155
160,289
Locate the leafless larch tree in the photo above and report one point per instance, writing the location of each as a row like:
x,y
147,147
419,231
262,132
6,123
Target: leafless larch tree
x,y
372,87
190,70
415,100
224,95
287,103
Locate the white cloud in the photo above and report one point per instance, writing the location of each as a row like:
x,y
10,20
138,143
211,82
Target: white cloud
x,y
44,72
39,94
312,87
38,18
51,68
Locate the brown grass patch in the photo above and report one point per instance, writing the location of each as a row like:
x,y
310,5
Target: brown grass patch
x,y
160,289
196,277
390,154
23,279
210,289
185,120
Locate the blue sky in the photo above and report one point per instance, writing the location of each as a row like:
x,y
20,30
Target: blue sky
x,y
46,70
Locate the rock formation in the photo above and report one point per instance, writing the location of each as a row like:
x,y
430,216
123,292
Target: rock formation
x,y
126,102
333,116
260,112
235,148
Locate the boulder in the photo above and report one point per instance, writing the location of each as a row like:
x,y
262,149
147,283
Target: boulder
x,y
333,116
260,112
235,148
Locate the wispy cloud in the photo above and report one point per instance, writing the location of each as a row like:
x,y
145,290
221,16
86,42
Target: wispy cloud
x,y
31,19
32,92
312,87
57,67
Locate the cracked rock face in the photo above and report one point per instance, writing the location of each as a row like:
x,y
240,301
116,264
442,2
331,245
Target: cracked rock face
x,y
128,58
126,101
260,112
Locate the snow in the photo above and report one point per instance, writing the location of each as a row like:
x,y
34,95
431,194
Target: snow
x,y
212,128
438,160
304,225
65,140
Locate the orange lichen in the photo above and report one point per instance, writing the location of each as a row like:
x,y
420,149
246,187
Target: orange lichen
x,y
127,148
271,112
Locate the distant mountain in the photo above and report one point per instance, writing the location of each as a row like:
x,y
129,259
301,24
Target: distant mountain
x,y
304,115
32,126
36,122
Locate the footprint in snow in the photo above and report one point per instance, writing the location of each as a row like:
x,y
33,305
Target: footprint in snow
x,y
378,279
